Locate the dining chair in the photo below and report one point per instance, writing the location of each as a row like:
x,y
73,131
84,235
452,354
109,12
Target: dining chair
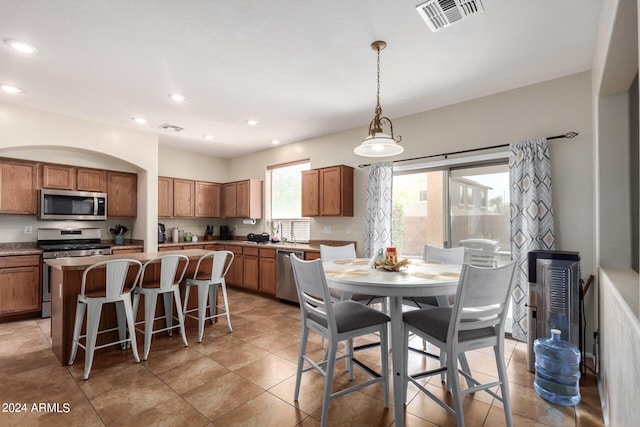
x,y
476,320
208,279
336,321
105,283
166,282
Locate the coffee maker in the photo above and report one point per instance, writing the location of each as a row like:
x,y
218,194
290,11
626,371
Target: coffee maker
x,y
162,233
225,232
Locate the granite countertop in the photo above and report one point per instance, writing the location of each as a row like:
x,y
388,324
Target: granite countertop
x,y
19,248
288,246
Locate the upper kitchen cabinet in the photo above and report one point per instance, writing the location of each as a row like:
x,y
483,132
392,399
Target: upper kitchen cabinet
x,y
208,199
242,199
18,187
165,197
328,191
92,180
183,197
59,177
122,194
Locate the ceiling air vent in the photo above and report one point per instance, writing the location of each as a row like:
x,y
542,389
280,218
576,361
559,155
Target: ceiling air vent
x,y
440,14
171,127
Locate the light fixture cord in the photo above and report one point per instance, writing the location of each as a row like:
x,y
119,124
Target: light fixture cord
x,y
378,108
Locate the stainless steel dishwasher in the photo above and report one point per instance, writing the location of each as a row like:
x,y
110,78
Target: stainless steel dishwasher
x,y
285,283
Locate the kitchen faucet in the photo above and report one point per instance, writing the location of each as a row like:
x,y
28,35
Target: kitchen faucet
x,y
293,236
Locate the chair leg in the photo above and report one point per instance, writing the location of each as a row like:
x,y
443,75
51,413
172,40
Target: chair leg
x,y
80,310
203,292
122,324
226,305
504,387
328,380
168,312
384,355
150,301
176,296
303,349
94,311
349,359
453,378
128,311
186,299
213,303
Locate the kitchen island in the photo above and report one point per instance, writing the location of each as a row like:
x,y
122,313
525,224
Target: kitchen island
x,y
66,282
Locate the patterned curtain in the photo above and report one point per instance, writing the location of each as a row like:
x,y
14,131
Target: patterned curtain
x,y
377,226
531,217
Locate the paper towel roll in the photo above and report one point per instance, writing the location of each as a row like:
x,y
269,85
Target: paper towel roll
x,y
249,221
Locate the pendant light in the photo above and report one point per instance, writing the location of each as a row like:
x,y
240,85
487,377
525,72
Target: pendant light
x,y
378,143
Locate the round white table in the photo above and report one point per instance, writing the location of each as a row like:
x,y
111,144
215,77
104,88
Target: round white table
x,y
419,279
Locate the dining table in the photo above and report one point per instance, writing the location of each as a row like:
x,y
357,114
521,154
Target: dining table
x,y
417,279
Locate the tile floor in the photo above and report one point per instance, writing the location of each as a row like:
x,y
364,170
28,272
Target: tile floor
x,y
244,378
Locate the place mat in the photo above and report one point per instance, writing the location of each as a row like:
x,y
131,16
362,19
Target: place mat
x,y
361,261
434,275
425,262
346,273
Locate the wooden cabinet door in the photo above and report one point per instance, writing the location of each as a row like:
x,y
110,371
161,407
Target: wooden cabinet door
x,y
229,200
165,197
310,256
18,188
268,271
183,194
310,196
208,196
92,180
58,177
122,194
235,273
251,272
249,199
336,191
20,290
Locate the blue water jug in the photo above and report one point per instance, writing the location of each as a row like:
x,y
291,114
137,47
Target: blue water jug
x,y
557,370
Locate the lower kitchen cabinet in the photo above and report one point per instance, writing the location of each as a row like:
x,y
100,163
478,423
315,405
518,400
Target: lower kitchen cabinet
x,y
20,288
235,273
268,271
251,268
309,256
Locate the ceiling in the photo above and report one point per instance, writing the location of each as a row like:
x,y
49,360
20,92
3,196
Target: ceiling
x,y
302,69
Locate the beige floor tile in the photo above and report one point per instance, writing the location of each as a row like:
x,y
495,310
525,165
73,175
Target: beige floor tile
x,y
238,356
192,374
265,410
268,371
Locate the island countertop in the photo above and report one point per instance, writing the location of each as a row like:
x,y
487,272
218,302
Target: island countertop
x,y
81,263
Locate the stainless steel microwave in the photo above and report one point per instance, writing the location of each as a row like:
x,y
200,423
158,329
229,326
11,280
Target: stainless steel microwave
x,y
72,205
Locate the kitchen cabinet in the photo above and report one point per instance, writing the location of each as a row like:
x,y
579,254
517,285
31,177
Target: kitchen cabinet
x,y
251,268
20,286
165,197
243,199
183,197
92,180
334,189
236,271
310,196
207,199
268,271
18,187
59,177
310,256
122,194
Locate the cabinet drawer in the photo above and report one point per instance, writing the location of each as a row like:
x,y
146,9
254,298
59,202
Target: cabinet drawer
x,y
311,255
251,251
19,261
267,253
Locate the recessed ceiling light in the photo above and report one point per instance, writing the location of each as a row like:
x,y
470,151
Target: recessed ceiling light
x,y
177,97
11,89
252,122
21,47
139,120
275,142
207,136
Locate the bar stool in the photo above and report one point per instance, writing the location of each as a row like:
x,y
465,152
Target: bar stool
x,y
110,290
167,285
207,279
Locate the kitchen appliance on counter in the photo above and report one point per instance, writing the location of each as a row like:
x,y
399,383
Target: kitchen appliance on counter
x,y
66,243
72,205
162,233
258,238
225,232
285,282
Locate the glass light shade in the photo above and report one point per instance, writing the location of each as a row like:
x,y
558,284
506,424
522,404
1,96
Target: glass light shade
x,y
380,145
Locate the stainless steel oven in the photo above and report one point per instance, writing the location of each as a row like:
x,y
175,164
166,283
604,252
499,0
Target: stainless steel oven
x,y
66,243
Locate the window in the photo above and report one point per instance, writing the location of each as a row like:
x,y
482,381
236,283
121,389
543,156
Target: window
x,y
283,199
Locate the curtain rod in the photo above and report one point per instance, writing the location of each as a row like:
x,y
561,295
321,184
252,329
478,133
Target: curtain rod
x,y
567,135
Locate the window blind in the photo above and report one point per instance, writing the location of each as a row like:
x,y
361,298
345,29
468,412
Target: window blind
x,y
284,202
